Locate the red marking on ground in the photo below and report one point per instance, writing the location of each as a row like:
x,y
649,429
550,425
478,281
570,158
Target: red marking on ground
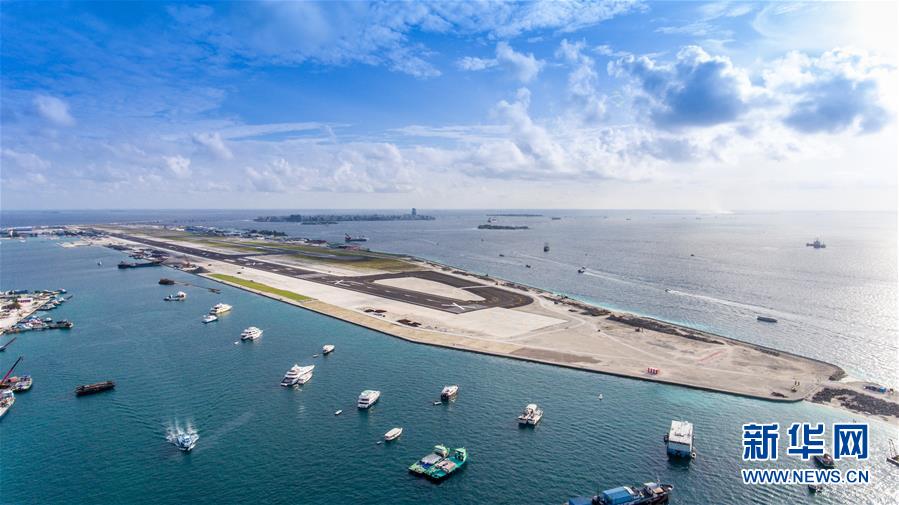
x,y
710,356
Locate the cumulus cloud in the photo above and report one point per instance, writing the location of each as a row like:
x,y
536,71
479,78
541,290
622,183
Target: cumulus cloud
x,y
54,110
350,168
214,144
178,165
582,80
525,67
837,91
697,89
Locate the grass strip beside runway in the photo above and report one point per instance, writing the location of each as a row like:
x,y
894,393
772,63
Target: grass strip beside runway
x,y
261,287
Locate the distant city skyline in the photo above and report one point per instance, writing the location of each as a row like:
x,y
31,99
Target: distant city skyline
x,y
713,106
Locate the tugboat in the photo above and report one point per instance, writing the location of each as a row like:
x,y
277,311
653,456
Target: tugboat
x,y
449,392
650,493
817,244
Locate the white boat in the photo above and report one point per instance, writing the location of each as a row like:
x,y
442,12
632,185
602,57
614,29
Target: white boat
x,y
219,308
679,440
449,392
531,415
186,441
208,318
337,413
327,349
180,296
368,398
393,434
297,375
7,399
251,333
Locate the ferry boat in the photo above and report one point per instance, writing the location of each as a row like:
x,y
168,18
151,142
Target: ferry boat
x,y
327,349
251,333
825,460
219,308
186,441
7,399
89,389
180,296
208,318
650,493
531,415
393,434
449,392
368,398
679,440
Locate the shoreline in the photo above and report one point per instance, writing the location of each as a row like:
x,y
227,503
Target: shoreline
x,y
745,369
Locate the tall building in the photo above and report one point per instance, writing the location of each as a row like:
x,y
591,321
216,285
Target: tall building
x,y
414,212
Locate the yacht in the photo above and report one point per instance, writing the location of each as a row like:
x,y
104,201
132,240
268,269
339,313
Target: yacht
x,y
531,415
449,392
7,398
208,318
368,398
327,349
186,441
219,308
297,375
251,333
393,434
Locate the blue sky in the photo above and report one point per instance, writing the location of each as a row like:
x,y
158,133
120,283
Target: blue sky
x,y
710,106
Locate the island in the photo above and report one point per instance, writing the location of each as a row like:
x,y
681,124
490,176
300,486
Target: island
x,y
339,218
426,302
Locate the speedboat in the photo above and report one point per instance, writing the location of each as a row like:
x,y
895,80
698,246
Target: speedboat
x,y
581,270
7,398
186,441
219,308
327,349
208,318
180,296
393,434
251,333
449,392
531,415
368,398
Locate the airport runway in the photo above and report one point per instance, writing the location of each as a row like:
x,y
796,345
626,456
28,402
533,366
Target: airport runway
x,y
492,296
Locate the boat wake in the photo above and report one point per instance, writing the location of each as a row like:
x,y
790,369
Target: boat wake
x,y
175,428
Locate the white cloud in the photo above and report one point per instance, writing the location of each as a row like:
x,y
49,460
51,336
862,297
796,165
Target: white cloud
x,y
27,161
54,110
214,144
524,67
582,81
178,165
472,63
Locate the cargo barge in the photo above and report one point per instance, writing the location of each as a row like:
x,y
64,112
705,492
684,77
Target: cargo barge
x,y
125,264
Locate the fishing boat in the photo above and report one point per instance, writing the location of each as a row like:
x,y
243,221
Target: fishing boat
x,y
180,296
209,318
251,333
368,398
825,460
327,349
766,319
650,493
7,399
449,392
89,389
393,434
531,415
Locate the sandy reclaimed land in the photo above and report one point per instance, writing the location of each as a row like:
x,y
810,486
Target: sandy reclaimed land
x,y
560,331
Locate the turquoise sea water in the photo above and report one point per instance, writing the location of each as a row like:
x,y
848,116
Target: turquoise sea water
x,y
263,443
